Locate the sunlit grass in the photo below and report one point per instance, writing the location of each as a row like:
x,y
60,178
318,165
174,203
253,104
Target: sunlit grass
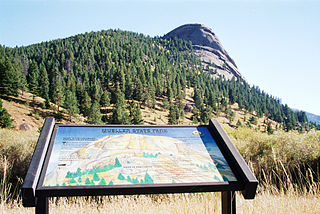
x,y
284,163
16,148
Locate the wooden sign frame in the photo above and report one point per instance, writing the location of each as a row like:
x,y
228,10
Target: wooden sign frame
x,y
34,194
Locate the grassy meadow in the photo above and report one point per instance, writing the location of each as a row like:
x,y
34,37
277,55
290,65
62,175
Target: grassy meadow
x,y
286,164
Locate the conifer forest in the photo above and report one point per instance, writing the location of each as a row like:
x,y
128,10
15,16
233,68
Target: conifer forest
x,y
126,70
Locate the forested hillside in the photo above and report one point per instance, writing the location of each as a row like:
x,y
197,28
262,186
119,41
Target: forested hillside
x,y
123,71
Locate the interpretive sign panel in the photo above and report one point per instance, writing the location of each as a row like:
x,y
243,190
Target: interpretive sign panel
x,y
84,160
135,155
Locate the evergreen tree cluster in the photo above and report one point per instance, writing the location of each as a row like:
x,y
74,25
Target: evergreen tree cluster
x,y
219,94
88,72
11,74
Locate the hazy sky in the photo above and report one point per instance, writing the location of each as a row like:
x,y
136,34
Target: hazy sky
x,y
275,44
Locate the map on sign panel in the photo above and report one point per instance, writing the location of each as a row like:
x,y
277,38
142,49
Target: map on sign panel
x,y
135,155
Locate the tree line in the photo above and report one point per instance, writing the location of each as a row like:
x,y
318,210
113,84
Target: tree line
x,y
88,72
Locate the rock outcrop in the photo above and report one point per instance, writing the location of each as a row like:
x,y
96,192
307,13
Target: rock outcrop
x,y
208,48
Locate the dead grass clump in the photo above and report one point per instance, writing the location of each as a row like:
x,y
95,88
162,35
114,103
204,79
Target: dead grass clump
x,y
284,160
152,204
16,149
289,202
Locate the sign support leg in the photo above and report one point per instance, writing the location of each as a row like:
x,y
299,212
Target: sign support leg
x,y
42,206
228,202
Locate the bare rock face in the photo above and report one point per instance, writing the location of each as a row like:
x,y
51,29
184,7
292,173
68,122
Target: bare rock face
x,y
208,48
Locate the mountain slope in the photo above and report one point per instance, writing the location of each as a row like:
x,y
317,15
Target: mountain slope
x,y
313,118
208,48
113,76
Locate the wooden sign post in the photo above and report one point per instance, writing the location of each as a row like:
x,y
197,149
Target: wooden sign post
x,y
83,160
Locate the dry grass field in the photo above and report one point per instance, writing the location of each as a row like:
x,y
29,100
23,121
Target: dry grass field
x,y
264,202
285,163
275,155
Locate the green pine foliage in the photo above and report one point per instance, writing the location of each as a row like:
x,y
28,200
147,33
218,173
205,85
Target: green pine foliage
x,y
173,115
94,115
130,67
105,99
135,114
269,128
119,113
85,104
58,92
33,78
9,83
71,104
5,117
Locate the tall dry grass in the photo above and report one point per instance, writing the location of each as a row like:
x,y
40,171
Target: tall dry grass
x,y
285,164
16,148
284,161
264,203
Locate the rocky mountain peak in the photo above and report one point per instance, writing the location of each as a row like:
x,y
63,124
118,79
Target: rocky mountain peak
x,y
207,46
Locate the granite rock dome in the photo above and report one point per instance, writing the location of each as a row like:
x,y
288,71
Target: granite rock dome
x,y
208,48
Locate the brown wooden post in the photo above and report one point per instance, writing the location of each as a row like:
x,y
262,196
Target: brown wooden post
x,y
228,202
42,206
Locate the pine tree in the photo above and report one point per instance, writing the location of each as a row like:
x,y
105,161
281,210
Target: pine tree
x,y
120,79
9,84
224,103
205,115
269,128
129,87
105,99
173,115
85,104
71,104
138,92
135,114
149,98
95,90
169,93
5,117
23,85
94,115
212,100
232,96
197,98
58,93
33,78
166,104
44,85
119,113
